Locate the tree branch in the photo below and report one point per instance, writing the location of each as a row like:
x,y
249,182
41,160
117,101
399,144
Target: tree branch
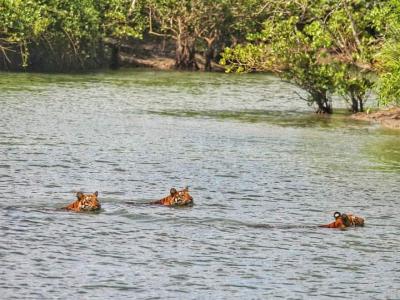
x,y
352,23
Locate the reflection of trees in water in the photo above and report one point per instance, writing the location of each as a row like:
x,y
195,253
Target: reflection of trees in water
x,y
274,117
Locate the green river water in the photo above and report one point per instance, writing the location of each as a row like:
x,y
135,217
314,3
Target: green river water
x,y
263,170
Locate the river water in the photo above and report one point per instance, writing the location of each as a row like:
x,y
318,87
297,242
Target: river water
x,y
262,169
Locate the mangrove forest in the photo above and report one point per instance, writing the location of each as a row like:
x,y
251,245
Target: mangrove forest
x,y
325,47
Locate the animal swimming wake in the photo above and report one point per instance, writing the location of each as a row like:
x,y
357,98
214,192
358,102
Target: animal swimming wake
x,y
85,202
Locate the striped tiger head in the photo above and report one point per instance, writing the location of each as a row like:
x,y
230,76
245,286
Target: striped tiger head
x,y
88,202
180,198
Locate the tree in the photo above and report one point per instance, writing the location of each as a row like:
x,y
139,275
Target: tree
x,y
20,22
213,18
195,23
353,85
387,19
322,46
120,20
63,34
287,51
353,42
175,19
222,22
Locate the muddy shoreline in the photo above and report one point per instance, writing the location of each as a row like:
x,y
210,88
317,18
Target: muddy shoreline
x,y
389,118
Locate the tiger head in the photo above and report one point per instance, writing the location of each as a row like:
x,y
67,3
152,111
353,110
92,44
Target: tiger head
x,y
344,218
179,198
357,221
85,202
88,201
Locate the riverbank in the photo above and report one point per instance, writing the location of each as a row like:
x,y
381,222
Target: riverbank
x,y
389,118
159,54
160,62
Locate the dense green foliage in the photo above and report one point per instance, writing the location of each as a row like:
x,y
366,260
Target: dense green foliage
x,y
389,57
71,34
62,34
326,47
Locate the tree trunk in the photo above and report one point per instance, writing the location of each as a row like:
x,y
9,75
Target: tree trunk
x,y
357,103
209,56
185,54
209,53
354,104
324,104
361,104
114,64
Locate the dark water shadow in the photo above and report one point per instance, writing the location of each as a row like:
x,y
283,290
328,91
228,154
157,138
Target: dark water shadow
x,y
44,210
138,77
283,226
148,203
280,118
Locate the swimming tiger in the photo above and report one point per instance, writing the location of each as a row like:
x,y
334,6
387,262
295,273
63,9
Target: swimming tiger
x,y
85,202
344,220
176,198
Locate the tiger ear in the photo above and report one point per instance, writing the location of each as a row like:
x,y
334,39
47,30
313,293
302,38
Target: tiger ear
x,y
337,214
96,193
172,191
79,195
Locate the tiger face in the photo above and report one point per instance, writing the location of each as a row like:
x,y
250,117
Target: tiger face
x,y
85,202
356,221
177,198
